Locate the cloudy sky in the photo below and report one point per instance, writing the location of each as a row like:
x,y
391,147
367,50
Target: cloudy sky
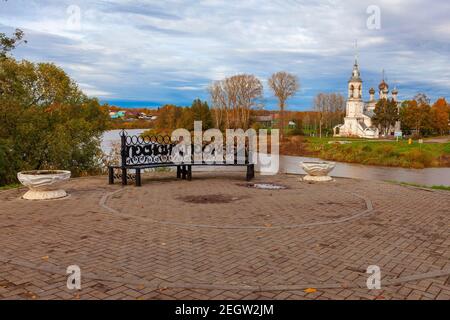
x,y
143,53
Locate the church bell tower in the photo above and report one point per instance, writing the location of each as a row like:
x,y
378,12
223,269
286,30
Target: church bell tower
x,y
355,105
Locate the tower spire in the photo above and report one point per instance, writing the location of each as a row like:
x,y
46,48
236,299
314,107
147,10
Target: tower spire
x,y
356,52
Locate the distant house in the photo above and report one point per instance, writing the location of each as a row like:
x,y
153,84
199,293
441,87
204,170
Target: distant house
x,y
148,117
143,116
132,114
265,121
271,121
117,115
113,115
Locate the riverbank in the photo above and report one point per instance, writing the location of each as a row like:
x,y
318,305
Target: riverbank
x,y
370,152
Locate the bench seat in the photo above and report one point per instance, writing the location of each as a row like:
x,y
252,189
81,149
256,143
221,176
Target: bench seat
x,y
184,171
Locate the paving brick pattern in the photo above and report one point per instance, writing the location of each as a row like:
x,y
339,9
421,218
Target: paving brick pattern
x,y
148,243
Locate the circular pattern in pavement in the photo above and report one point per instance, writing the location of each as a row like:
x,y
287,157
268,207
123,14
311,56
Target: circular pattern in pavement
x,y
216,205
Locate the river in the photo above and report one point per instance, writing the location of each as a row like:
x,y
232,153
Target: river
x,y
113,136
428,176
291,165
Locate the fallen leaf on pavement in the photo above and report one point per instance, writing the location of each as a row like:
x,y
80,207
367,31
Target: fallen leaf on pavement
x,y
310,290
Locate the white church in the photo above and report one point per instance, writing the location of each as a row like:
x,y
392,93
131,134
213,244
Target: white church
x,y
358,114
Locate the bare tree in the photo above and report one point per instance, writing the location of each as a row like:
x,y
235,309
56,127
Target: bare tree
x,y
330,107
219,103
322,107
337,109
284,85
233,98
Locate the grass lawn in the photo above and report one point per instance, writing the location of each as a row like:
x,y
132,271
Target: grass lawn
x,y
10,186
384,153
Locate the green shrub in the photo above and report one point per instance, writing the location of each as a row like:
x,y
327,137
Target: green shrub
x,y
47,122
295,132
7,164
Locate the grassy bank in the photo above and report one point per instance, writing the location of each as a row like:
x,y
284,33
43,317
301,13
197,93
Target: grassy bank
x,y
10,186
445,188
372,152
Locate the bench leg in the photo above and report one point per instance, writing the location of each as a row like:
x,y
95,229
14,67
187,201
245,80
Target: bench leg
x,y
183,172
178,172
124,176
138,178
250,172
111,175
189,173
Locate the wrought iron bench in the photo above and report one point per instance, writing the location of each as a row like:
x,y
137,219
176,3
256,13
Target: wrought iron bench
x,y
146,152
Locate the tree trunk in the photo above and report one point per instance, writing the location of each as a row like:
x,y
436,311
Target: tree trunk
x,y
282,124
320,127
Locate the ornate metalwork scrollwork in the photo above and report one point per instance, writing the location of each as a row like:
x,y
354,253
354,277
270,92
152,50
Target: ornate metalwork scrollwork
x,y
158,149
141,150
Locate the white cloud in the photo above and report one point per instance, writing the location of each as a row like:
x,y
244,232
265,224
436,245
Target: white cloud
x,y
92,91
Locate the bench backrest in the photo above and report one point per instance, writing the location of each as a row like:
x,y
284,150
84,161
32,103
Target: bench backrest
x,y
139,150
142,150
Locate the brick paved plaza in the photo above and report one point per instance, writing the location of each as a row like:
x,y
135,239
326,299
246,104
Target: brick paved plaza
x,y
217,237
